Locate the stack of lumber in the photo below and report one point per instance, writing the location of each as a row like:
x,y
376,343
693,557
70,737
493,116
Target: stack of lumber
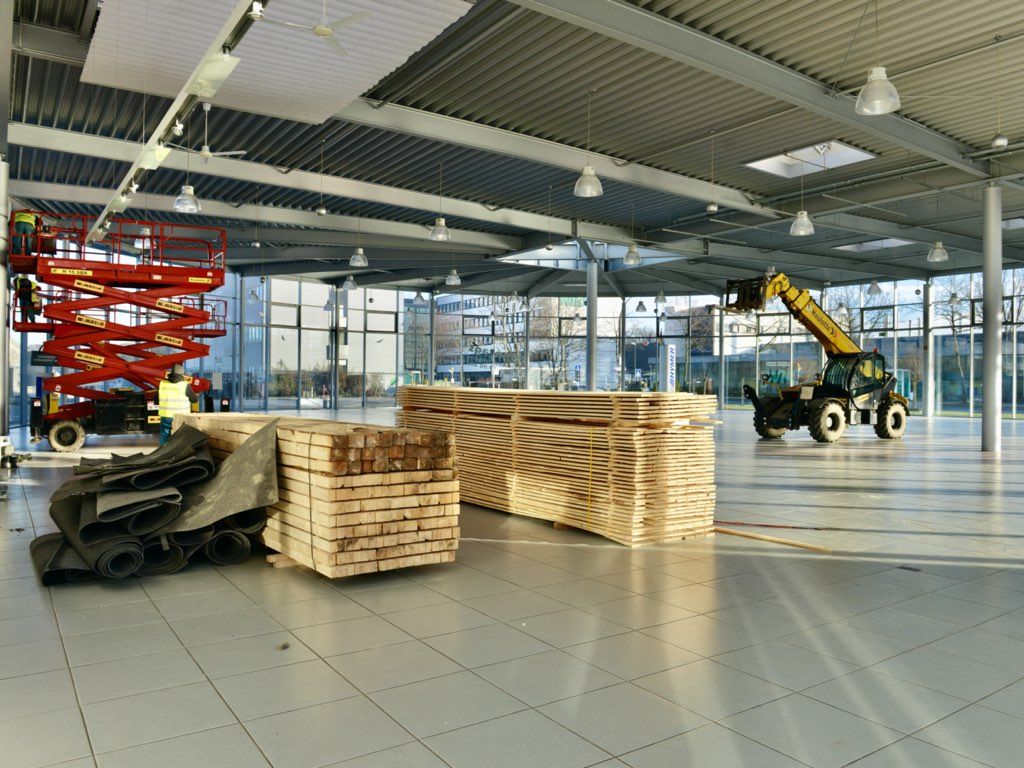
x,y
635,467
353,498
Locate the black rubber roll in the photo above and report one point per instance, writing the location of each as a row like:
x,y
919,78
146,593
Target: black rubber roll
x,y
250,522
56,561
107,551
195,538
228,547
160,557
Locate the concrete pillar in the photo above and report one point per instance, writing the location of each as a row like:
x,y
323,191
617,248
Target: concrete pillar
x,y
335,346
992,324
592,267
927,353
431,308
527,314
622,346
5,314
721,354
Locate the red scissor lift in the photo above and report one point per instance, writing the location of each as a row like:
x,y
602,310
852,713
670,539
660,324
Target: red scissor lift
x,y
127,307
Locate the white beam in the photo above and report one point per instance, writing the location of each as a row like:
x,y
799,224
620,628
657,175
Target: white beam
x,y
630,24
416,122
57,140
263,213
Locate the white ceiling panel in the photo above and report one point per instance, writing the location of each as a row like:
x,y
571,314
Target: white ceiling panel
x,y
153,47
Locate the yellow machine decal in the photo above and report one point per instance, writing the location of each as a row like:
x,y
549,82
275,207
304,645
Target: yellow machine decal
x,y
163,338
170,306
204,280
66,271
87,357
94,322
152,419
85,285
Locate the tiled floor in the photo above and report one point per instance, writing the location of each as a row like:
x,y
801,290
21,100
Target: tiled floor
x,y
904,647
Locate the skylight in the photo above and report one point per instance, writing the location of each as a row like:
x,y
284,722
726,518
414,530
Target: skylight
x,y
875,245
812,159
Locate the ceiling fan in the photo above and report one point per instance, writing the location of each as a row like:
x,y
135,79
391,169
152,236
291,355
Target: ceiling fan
x,y
206,153
325,29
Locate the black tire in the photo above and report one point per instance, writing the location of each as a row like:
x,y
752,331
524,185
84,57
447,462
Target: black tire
x,y
768,405
827,422
66,436
892,420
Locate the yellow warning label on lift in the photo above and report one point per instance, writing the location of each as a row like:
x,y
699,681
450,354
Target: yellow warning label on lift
x,y
163,338
85,285
66,271
170,306
204,280
87,357
152,419
95,322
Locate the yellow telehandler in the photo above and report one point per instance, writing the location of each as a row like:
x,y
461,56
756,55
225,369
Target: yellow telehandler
x,y
854,388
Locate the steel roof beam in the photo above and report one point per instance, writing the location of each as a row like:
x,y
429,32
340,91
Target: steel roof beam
x,y
682,280
39,42
428,125
628,23
339,239
57,140
550,280
247,213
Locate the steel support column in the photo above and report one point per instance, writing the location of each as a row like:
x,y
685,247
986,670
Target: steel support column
x,y
527,312
431,308
992,353
721,354
622,347
592,275
6,30
927,353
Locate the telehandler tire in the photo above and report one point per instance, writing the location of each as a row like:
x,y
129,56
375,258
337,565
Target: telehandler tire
x,y
892,420
769,405
66,436
826,422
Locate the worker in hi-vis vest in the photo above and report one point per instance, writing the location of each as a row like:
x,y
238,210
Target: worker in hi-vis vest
x,y
25,223
176,396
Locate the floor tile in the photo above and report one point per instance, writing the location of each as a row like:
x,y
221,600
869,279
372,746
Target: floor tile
x,y
26,629
632,655
80,597
768,618
1009,624
947,674
153,716
638,612
187,582
44,739
378,668
225,747
852,644
30,658
710,746
35,694
438,619
288,591
986,594
486,645
812,732
699,598
219,627
445,703
282,689
911,753
307,613
950,609
108,618
325,734
546,677
203,604
583,592
137,674
466,587
24,605
698,570
538,575
398,598
711,689
353,635
515,605
1009,700
514,741
705,636
889,701
622,718
120,643
413,755
985,647
249,654
990,737
568,627
786,664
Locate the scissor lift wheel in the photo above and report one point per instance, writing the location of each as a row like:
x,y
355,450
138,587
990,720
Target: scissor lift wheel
x,y
66,436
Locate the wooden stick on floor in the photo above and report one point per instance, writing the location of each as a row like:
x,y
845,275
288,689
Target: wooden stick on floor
x,y
773,539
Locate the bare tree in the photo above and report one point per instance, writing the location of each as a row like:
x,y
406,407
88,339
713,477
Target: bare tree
x,y
951,306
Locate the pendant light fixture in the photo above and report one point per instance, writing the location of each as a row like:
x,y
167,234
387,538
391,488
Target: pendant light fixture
x,y
321,209
349,284
142,239
641,307
954,299
632,257
358,259
453,279
329,304
878,96
712,207
999,141
550,246
874,289
257,243
660,298
802,225
588,185
186,201
937,254
440,231
419,300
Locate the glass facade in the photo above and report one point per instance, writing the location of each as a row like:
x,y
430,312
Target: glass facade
x,y
295,343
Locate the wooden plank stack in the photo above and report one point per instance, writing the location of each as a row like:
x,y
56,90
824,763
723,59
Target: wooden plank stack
x,y
353,498
635,467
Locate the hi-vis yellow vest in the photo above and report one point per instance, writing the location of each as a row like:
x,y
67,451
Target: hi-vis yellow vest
x,y
173,398
25,218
